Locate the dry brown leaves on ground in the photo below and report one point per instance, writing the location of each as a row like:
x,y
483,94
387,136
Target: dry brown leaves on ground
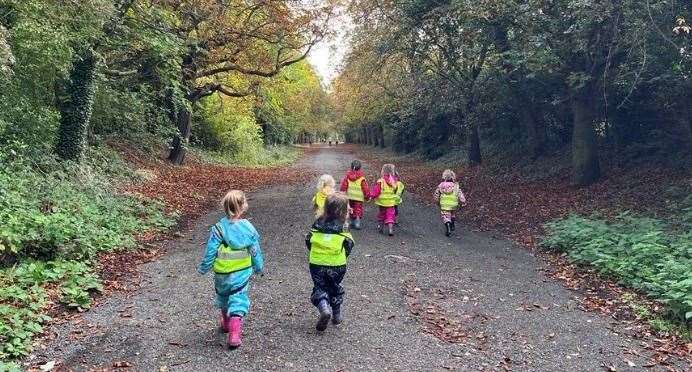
x,y
518,208
435,321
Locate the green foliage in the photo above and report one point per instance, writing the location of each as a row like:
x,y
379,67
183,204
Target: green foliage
x,y
641,253
23,297
68,210
264,157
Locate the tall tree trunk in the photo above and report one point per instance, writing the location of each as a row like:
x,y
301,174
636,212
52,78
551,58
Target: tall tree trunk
x,y
585,164
473,144
76,108
535,129
182,138
381,133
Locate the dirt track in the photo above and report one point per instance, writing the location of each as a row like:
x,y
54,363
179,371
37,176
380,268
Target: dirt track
x,y
489,297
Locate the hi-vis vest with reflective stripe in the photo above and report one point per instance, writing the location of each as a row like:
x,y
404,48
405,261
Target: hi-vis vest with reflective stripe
x,y
328,249
387,196
355,191
449,201
229,260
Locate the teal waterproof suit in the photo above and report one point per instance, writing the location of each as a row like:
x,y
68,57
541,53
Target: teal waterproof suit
x,y
232,288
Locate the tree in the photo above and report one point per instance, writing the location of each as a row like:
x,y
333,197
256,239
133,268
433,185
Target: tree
x,y
256,39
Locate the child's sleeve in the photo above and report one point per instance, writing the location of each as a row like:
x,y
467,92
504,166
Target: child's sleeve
x,y
344,185
308,237
213,244
462,197
436,194
256,252
348,246
364,187
375,191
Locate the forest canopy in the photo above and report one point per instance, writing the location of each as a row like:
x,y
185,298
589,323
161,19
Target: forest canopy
x,y
158,73
521,79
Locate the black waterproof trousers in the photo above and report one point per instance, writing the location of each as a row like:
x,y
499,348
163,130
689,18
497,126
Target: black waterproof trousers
x,y
327,284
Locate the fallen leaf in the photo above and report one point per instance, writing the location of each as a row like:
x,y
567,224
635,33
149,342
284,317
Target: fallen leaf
x,y
122,364
48,366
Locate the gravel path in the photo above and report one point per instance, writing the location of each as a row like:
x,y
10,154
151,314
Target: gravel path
x,y
490,296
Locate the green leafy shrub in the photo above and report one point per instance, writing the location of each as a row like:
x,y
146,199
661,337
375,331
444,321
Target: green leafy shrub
x,y
54,218
261,157
641,253
68,211
23,297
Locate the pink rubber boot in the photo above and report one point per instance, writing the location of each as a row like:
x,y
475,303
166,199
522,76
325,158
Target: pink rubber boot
x,y
235,327
223,322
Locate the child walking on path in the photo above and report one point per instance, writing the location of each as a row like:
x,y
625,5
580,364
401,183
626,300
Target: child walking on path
x,y
356,188
385,194
329,247
233,252
449,196
325,187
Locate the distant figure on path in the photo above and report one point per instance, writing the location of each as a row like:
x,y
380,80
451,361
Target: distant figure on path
x,y
449,196
233,252
329,247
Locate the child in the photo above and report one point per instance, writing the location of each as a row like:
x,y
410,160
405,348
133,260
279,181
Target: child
x,y
329,247
449,196
325,186
385,194
356,188
233,251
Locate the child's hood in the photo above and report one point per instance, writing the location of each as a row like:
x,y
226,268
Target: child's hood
x,y
239,234
353,175
390,179
447,187
328,227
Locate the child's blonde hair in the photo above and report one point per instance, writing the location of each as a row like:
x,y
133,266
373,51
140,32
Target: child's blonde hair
x,y
335,207
325,180
449,176
388,170
234,204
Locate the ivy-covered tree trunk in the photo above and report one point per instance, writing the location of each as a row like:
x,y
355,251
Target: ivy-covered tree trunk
x,y
76,106
585,164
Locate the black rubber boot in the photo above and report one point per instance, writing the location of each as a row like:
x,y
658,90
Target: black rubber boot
x,y
448,228
325,315
390,228
453,223
337,316
356,223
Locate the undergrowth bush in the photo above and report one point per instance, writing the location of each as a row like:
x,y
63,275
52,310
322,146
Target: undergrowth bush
x,y
260,157
54,218
54,210
24,295
641,253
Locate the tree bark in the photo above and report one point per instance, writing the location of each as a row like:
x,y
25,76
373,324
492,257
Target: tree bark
x,y
535,129
473,144
585,163
182,138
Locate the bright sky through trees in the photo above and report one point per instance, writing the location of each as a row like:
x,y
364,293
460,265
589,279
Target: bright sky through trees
x,y
326,57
